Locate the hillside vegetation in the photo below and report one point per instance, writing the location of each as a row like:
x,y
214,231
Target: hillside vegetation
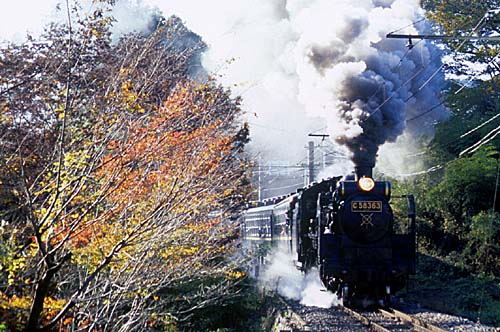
x,y
112,157
459,203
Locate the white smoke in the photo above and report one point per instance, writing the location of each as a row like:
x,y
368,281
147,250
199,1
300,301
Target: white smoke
x,y
22,17
305,65
282,276
341,168
408,160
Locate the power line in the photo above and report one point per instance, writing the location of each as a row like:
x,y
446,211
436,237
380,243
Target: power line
x,y
279,166
454,93
409,25
486,139
394,93
269,127
480,126
430,169
431,77
428,111
297,185
444,37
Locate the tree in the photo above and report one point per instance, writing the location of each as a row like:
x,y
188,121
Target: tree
x,y
468,187
114,160
467,18
483,247
474,114
474,106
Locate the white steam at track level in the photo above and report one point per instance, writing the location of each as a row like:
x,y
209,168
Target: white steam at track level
x,y
281,275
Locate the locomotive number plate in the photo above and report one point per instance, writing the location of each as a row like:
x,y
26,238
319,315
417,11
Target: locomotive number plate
x,y
366,206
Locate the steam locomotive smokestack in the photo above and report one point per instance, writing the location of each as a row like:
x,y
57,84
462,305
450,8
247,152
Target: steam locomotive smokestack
x,y
363,170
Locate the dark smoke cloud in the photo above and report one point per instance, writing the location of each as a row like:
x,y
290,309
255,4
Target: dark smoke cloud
x,y
303,65
377,98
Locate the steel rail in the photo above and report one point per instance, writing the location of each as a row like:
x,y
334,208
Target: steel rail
x,y
367,322
419,324
294,319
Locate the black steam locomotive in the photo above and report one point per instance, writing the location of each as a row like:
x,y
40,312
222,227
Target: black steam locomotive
x,y
345,228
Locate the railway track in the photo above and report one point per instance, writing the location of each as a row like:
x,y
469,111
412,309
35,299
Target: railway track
x,y
295,317
289,320
389,320
298,318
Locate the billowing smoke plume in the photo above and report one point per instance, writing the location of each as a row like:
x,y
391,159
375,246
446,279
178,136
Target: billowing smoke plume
x,y
306,66
302,66
358,80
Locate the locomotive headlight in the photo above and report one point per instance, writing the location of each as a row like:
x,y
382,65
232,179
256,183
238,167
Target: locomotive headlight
x,y
366,184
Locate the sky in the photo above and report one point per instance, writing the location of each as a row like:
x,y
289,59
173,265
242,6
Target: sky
x,y
296,64
21,16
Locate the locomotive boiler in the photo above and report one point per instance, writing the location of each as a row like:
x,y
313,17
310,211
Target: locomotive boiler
x,y
346,228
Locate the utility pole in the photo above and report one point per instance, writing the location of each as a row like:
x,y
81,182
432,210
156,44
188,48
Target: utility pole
x,y
259,184
311,162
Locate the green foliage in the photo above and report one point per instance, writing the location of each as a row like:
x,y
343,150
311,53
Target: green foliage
x,y
442,286
454,211
472,107
11,262
458,220
399,205
464,18
467,188
482,252
458,16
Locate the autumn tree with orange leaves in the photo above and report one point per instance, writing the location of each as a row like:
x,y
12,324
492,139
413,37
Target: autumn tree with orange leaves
x,y
120,173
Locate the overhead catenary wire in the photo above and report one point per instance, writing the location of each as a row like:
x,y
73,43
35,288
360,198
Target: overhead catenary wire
x,y
428,170
459,90
486,139
278,166
409,25
480,126
296,185
431,77
271,128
